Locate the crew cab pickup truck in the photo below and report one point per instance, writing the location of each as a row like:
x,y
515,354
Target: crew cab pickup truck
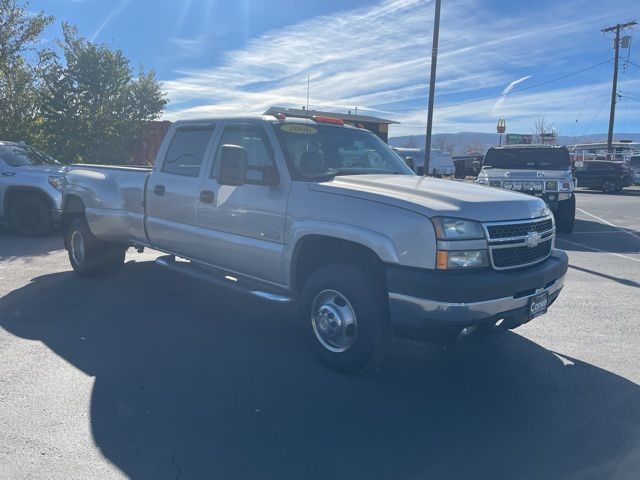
x,y
325,215
540,170
30,189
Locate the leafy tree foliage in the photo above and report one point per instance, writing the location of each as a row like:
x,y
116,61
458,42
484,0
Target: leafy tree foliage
x,y
92,104
19,77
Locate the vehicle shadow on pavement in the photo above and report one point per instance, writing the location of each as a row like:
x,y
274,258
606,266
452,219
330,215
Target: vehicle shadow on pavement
x,y
192,382
13,246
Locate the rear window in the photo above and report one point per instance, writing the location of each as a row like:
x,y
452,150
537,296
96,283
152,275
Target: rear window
x,y
528,158
185,154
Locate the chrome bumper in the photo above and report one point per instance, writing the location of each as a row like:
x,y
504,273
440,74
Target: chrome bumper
x,y
465,313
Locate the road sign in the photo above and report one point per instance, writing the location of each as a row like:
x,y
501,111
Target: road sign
x,y
519,139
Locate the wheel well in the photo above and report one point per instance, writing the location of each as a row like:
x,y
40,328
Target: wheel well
x,y
73,207
14,193
315,251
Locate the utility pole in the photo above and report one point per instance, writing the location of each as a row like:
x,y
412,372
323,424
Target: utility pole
x,y
614,89
432,87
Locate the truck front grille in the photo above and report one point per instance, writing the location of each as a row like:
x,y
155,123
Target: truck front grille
x,y
519,256
511,230
519,243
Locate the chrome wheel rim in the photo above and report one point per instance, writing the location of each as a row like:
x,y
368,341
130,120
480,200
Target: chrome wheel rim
x,y
608,186
333,320
77,247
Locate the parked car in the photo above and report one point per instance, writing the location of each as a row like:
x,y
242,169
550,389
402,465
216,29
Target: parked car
x,y
440,163
540,170
30,189
610,177
284,210
467,165
634,164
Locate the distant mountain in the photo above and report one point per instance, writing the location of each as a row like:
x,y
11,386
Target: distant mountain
x,y
463,142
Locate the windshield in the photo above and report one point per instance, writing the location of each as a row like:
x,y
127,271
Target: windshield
x,y
317,152
17,156
528,158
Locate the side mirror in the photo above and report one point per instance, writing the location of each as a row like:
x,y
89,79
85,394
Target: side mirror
x,y
233,165
411,163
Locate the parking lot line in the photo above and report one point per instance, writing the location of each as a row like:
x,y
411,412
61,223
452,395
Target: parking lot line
x,y
597,249
623,230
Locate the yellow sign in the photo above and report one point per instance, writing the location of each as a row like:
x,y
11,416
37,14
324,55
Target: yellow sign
x,y
297,128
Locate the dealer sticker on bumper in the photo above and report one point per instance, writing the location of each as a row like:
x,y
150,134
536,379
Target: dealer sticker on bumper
x,y
538,305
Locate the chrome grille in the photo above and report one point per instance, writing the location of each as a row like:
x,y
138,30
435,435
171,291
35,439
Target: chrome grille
x,y
511,230
519,243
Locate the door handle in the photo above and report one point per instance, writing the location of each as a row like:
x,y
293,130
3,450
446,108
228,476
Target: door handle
x,y
206,196
158,190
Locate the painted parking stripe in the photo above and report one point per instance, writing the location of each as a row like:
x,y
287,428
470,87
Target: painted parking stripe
x,y
558,239
609,223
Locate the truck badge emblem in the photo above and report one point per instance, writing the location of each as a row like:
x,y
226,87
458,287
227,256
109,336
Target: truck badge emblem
x,y
533,239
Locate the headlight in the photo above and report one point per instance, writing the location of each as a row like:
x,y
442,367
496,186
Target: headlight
x,y
508,185
495,183
56,182
566,186
552,186
448,260
457,229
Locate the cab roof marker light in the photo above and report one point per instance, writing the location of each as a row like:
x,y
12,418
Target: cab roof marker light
x,y
323,119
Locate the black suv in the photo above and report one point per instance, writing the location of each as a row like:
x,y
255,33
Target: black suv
x,y
610,177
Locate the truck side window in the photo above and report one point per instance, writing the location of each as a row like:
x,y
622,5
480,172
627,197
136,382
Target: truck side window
x,y
185,154
260,165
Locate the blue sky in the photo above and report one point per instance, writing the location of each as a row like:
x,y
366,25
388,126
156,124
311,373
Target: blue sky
x,y
228,57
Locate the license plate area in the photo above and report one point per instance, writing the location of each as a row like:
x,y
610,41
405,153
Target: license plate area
x,y
538,305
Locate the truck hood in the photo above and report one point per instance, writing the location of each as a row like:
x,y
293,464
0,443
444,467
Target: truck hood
x,y
434,197
515,174
44,169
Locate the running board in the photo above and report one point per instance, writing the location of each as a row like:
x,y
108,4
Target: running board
x,y
221,278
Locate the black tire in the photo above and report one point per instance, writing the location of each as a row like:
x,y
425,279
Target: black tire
x,y
566,215
610,185
90,256
367,337
30,216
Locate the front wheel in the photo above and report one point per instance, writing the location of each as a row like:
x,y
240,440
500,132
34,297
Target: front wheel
x,y
29,216
90,256
610,186
566,215
346,319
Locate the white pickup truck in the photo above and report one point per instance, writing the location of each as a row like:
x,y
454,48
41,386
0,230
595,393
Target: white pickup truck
x,y
319,213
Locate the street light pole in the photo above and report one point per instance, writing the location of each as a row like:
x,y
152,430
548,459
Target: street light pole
x,y
432,87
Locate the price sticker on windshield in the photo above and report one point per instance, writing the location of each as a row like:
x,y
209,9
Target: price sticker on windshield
x,y
299,129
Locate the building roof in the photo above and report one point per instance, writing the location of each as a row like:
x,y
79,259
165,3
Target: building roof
x,y
299,112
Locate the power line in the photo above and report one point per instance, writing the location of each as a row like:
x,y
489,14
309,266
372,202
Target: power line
x,y
629,98
634,64
523,89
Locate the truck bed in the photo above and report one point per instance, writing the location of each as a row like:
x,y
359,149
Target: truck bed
x,y
116,209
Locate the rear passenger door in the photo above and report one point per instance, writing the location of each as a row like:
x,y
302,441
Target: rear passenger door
x,y
172,189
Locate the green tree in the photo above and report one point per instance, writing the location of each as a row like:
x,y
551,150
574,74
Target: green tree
x,y
93,103
19,77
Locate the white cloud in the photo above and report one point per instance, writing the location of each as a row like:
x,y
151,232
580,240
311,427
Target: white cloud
x,y
507,90
377,58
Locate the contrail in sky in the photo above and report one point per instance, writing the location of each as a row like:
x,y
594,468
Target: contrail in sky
x,y
509,87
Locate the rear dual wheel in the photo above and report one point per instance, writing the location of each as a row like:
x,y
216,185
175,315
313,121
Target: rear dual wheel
x,y
90,256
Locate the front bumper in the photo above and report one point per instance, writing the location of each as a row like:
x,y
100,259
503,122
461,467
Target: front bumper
x,y
438,306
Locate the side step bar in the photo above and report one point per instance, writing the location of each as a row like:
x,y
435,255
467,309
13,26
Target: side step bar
x,y
222,279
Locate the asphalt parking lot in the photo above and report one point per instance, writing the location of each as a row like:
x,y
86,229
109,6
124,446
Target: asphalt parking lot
x,y
151,375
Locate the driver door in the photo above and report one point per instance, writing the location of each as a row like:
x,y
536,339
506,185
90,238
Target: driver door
x,y
242,227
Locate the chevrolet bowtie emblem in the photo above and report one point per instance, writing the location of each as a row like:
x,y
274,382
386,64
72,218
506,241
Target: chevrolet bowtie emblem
x,y
533,239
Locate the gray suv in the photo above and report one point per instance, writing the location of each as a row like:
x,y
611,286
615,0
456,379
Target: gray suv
x,y
30,189
540,170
